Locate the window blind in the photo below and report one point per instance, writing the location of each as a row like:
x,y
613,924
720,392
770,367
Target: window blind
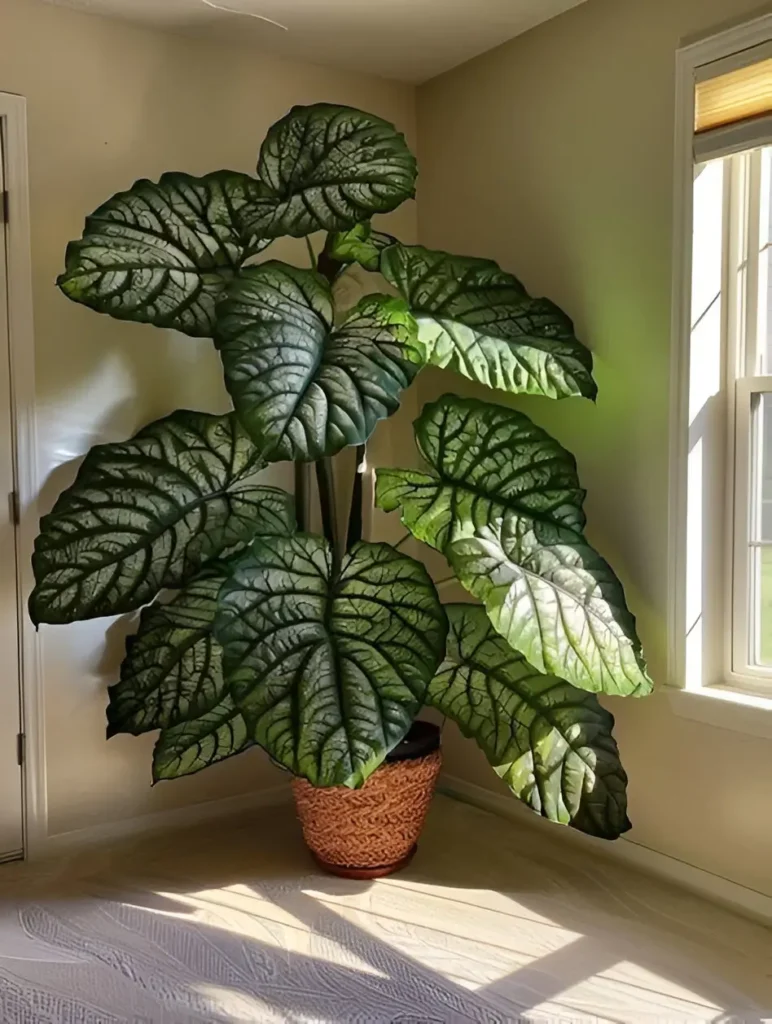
x,y
733,104
736,96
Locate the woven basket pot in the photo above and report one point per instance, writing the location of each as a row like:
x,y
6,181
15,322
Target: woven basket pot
x,y
373,831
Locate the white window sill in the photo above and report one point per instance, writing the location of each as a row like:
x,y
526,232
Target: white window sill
x,y
724,708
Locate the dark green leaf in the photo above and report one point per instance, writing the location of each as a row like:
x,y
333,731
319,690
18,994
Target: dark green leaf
x,y
326,167
329,668
481,322
149,513
550,742
189,747
302,387
503,503
172,671
360,245
172,679
162,253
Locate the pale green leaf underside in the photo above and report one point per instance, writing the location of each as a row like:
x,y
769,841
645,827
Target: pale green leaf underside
x,y
302,387
479,321
551,742
359,245
503,503
172,671
149,513
327,167
189,747
329,669
162,253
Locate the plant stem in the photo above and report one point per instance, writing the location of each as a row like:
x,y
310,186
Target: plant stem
x,y
301,495
328,266
311,253
326,484
355,512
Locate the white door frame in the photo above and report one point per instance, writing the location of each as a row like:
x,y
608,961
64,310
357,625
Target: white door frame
x,y
13,113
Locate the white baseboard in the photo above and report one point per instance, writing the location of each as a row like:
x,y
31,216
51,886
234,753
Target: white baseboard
x,y
713,887
163,821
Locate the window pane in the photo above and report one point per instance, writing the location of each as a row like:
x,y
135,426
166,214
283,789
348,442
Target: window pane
x,y
761,484
761,532
763,558
765,266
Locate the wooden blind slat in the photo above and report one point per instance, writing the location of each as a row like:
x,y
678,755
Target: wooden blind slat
x,y
736,96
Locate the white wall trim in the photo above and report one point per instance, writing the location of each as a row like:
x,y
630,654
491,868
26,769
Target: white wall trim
x,y
689,60
724,708
713,887
22,356
164,821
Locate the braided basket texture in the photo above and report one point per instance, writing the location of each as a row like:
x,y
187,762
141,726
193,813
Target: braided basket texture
x,y
373,830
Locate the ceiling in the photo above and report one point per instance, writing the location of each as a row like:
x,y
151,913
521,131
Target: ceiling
x,y
413,40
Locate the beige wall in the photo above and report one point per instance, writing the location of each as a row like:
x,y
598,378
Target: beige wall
x,y
109,103
554,155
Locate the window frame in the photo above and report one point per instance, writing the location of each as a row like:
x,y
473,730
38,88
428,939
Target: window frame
x,y
734,683
745,381
13,114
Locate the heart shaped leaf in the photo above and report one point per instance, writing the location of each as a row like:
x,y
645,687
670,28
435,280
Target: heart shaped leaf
x,y
163,252
189,747
326,167
359,245
550,742
172,671
302,387
503,503
172,679
480,321
149,513
329,667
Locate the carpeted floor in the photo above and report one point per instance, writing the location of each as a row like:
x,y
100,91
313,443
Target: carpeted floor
x,y
491,923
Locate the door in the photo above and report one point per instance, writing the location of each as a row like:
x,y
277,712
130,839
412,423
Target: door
x,y
11,842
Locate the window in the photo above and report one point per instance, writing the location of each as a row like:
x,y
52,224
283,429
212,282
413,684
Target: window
x,y
750,364
721,500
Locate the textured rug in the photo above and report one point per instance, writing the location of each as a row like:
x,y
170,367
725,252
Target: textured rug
x,y
491,924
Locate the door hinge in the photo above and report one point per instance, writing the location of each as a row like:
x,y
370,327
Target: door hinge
x,y
14,507
5,208
21,748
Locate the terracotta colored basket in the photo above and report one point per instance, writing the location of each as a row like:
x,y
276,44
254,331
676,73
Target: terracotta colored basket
x,y
372,831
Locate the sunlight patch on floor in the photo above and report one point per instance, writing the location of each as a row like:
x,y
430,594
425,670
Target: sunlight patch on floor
x,y
629,992
490,922
237,1006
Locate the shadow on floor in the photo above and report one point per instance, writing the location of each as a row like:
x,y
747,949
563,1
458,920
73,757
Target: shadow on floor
x,y
231,923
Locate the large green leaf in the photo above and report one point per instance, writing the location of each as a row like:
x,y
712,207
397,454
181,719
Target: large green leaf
x,y
149,513
328,167
172,679
329,667
503,503
172,671
480,321
550,742
301,386
161,253
359,245
189,747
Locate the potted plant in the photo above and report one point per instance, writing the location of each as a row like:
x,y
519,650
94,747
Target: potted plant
x,y
254,630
